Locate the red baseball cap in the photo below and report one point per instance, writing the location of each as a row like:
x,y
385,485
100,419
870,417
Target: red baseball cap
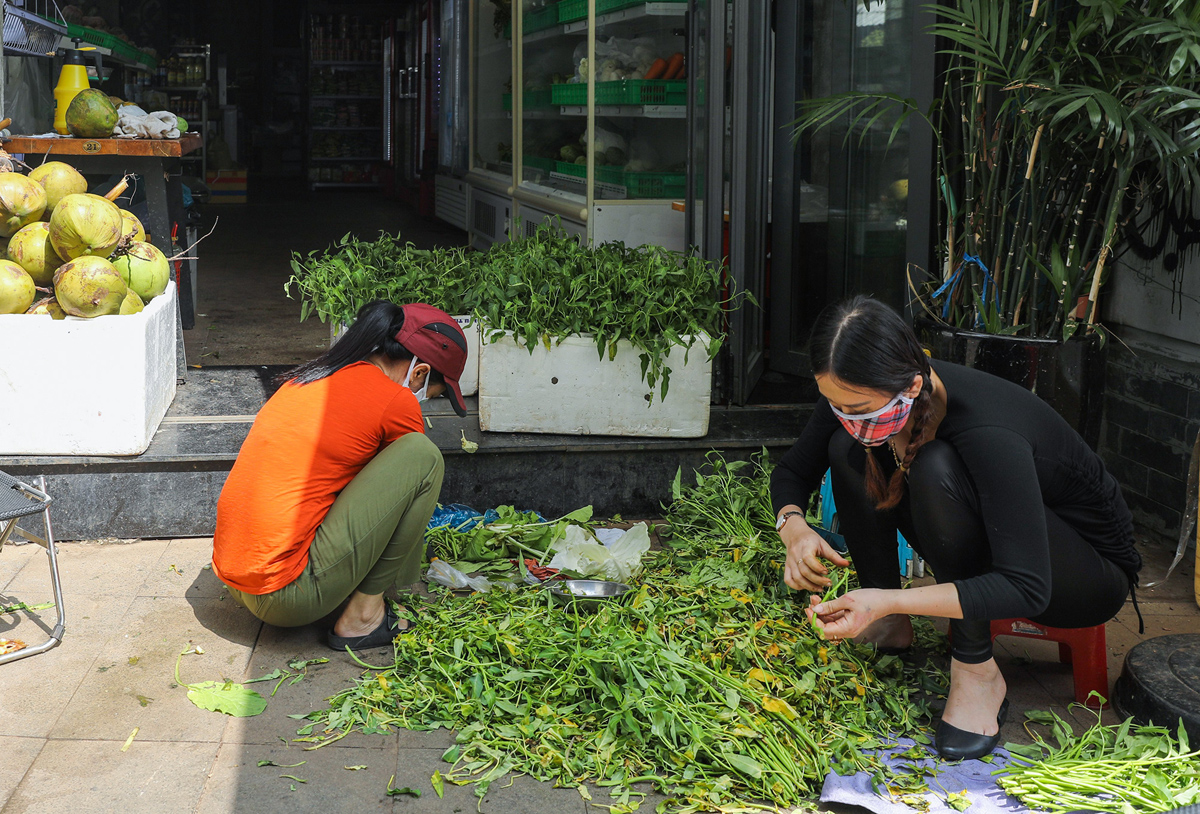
x,y
432,335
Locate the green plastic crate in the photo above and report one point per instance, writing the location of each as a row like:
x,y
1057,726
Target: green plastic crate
x,y
568,168
571,10
655,184
92,36
540,20
624,92
538,97
546,165
605,6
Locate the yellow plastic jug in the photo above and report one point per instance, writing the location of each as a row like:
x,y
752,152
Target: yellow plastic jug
x,y
72,79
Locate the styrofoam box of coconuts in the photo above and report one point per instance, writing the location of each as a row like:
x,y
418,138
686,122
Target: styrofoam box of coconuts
x,y
96,386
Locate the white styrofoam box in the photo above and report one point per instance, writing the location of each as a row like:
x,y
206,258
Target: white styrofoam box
x,y
568,389
470,377
86,386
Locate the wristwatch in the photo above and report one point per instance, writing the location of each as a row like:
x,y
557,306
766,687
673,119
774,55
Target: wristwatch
x,y
783,518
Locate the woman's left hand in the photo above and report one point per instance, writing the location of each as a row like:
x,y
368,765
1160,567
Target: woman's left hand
x,y
849,615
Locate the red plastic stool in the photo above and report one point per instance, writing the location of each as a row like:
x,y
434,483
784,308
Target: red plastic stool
x,y
1083,648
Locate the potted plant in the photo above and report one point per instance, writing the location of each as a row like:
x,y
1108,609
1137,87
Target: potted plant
x,y
605,339
1055,124
335,283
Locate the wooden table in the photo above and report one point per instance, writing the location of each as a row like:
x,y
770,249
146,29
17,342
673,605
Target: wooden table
x,y
155,160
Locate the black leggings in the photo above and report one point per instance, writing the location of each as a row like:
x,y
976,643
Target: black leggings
x,y
941,519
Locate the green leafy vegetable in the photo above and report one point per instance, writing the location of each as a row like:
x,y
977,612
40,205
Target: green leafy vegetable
x,y
227,696
1120,768
712,694
394,792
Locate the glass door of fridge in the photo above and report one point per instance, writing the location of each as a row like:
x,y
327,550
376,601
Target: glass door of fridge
x,y
491,91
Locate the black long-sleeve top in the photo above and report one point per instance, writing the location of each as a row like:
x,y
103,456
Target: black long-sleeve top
x,y
1022,456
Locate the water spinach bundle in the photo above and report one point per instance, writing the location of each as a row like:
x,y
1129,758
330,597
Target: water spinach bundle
x,y
707,682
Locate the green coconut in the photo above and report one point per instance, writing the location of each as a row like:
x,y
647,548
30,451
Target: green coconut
x,y
145,269
85,224
49,307
131,225
31,249
132,303
21,202
17,290
91,114
89,287
59,180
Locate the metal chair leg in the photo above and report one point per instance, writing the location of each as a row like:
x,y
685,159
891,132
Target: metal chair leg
x,y
56,636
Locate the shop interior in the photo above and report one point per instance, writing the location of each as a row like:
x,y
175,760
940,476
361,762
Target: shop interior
x,y
323,118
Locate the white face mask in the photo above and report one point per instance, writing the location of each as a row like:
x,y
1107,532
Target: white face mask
x,y
423,393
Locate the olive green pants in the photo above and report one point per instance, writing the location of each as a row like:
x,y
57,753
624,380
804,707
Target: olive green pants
x,y
372,538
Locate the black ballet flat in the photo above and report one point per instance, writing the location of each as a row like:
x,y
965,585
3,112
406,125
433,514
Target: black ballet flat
x,y
958,744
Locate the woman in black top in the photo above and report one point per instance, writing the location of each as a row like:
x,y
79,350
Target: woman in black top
x,y
1012,511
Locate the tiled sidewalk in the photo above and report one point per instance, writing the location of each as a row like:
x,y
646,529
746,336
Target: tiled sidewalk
x,y
133,608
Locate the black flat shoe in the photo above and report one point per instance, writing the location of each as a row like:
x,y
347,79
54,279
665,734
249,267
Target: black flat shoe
x,y
383,635
958,744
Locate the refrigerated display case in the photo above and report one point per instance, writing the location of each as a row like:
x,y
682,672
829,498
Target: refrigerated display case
x,y
602,135
582,115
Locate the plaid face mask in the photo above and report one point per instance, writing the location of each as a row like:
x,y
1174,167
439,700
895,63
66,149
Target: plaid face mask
x,y
873,429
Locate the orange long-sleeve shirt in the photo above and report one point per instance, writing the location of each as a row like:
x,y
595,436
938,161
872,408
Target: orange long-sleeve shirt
x,y
307,443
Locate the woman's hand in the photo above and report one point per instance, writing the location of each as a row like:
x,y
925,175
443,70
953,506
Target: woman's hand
x,y
804,570
849,615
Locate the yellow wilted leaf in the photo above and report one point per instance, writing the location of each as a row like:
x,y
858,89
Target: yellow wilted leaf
x,y
779,707
740,596
859,688
823,654
569,722
772,651
760,624
383,682
760,675
737,555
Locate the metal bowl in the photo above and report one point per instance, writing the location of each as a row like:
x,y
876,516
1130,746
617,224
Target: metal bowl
x,y
587,594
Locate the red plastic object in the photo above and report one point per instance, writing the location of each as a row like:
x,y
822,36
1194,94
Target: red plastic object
x,y
1083,648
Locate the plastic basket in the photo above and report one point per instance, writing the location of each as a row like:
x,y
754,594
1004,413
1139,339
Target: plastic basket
x,y
92,36
655,184
568,168
605,6
540,20
624,92
546,165
533,98
571,10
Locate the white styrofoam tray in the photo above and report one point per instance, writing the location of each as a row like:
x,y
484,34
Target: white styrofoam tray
x,y
569,389
469,382
86,386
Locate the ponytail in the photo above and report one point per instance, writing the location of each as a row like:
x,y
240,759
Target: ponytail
x,y
865,343
374,331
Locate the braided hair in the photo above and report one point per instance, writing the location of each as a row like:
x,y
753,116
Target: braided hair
x,y
864,343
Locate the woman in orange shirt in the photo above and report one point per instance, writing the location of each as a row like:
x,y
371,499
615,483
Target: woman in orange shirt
x,y
331,492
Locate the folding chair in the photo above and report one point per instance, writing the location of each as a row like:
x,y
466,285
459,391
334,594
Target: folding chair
x,y
19,500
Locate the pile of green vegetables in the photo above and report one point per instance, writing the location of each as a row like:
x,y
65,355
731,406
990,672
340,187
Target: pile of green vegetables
x,y
1120,768
514,535
706,682
542,288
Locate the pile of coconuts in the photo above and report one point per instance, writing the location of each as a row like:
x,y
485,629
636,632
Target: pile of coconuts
x,y
71,253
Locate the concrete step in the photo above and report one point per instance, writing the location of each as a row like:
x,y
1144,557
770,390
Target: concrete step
x,y
171,490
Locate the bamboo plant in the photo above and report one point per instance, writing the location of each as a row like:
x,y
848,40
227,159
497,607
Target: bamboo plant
x,y
1057,123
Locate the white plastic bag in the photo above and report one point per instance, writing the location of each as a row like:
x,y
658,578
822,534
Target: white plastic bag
x,y
617,558
443,573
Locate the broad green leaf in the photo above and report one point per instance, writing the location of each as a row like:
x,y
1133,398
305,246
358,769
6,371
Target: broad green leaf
x,y
227,697
745,765
438,784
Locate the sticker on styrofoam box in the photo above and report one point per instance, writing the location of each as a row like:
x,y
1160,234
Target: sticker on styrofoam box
x,y
86,386
568,389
